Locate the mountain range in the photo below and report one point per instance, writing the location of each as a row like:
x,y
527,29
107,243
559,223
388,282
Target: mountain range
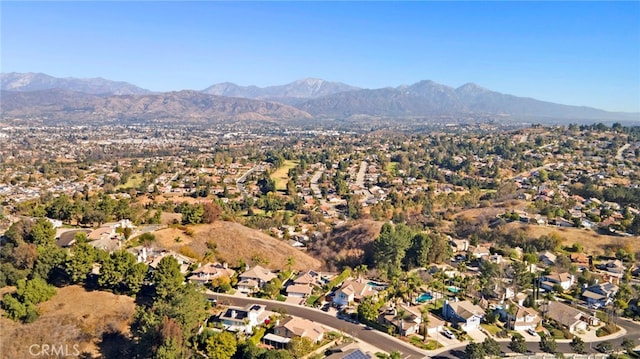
x,y
40,95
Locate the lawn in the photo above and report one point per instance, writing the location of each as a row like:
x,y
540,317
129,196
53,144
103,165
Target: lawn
x,y
491,328
281,175
133,182
430,344
391,166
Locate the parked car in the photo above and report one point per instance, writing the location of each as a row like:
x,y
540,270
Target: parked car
x,y
447,333
605,347
532,332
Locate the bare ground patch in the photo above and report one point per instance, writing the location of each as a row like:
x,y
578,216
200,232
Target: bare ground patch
x,y
73,316
234,242
592,242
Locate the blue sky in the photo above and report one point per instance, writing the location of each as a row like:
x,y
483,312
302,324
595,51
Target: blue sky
x,y
578,53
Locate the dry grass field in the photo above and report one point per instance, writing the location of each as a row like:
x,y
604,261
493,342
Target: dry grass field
x,y
281,175
234,242
72,317
592,242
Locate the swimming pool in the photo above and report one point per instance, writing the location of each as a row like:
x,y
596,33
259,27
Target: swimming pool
x,y
424,297
453,289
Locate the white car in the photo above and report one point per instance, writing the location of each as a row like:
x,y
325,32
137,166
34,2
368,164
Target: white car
x,y
532,332
447,334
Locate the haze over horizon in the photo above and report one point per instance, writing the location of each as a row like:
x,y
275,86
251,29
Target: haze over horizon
x,y
585,54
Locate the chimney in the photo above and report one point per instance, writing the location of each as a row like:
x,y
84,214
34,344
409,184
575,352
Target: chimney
x,y
233,314
225,265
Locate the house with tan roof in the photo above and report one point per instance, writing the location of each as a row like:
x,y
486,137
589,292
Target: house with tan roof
x,y
464,314
253,279
570,317
524,318
406,319
293,327
353,291
210,271
564,279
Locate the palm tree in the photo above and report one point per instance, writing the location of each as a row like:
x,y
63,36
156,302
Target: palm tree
x,y
424,311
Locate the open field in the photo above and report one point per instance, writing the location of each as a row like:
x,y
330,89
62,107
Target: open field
x,y
234,242
133,182
592,242
73,316
281,175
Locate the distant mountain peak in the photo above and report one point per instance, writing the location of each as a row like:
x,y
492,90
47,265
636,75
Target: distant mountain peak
x,y
306,88
35,81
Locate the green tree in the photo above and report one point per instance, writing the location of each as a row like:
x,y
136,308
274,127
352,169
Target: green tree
x,y
50,263
368,309
43,233
221,345
167,277
115,270
491,347
300,346
577,344
518,344
548,344
474,351
80,262
628,345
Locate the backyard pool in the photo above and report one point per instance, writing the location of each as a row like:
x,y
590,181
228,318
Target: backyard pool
x,y
424,297
453,289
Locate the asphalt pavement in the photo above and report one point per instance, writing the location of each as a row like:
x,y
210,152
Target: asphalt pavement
x,y
373,337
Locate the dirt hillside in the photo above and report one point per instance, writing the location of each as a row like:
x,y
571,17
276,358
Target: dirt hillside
x,y
235,241
72,317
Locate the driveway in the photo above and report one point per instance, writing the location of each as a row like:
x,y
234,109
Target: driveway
x,y
476,335
375,338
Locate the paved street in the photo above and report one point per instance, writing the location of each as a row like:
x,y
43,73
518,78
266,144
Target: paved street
x,y
373,337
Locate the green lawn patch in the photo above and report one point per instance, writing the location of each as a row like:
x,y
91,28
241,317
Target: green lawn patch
x,y
430,344
491,328
281,175
312,300
391,166
133,182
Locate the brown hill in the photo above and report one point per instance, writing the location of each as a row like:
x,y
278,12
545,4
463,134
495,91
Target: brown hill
x,y
348,245
190,106
234,242
74,316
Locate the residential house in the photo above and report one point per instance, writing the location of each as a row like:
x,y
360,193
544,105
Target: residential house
x,y
353,291
244,319
404,318
434,325
293,327
570,317
600,295
459,245
253,279
210,271
299,290
548,258
479,251
580,260
613,270
564,279
523,318
464,314
310,278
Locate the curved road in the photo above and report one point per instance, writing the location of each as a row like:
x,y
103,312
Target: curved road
x,y
633,333
373,337
389,343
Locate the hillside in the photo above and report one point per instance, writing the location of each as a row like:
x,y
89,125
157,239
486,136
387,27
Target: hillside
x,y
14,81
235,241
431,98
350,244
65,106
98,322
